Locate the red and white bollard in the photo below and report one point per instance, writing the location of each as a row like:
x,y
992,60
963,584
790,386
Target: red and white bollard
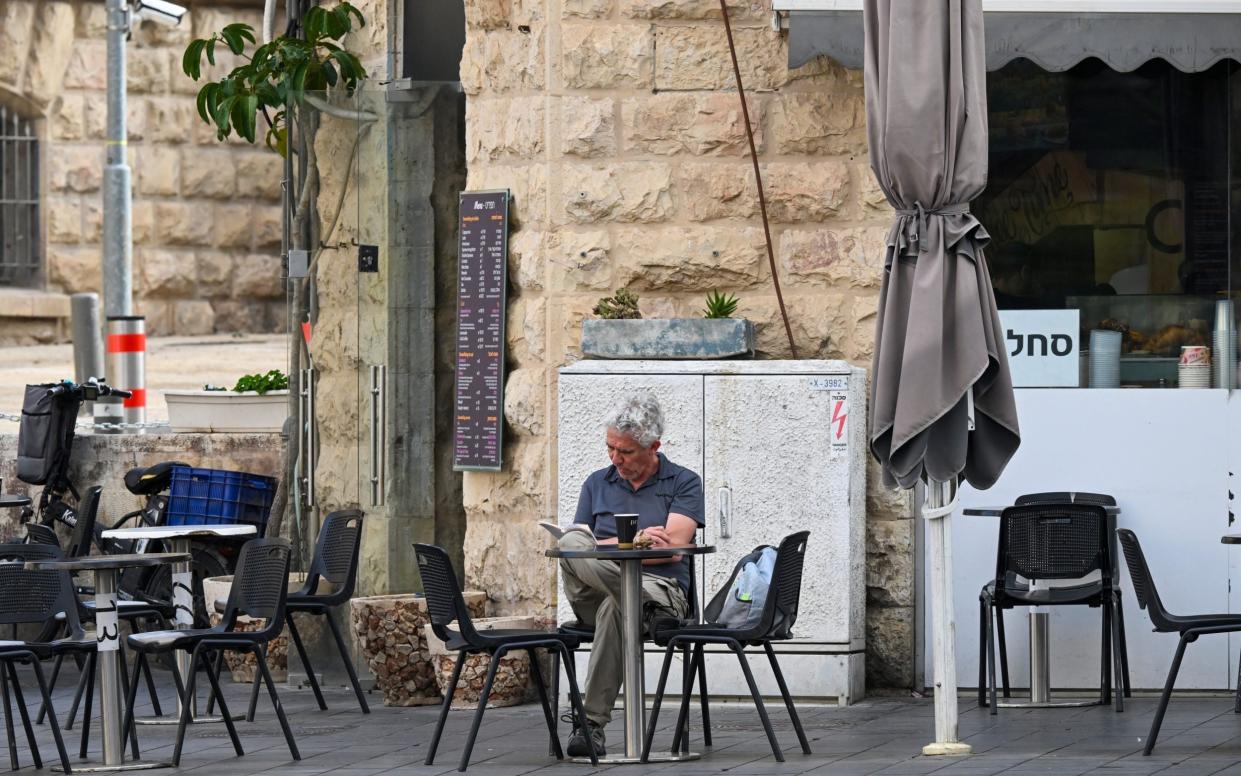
x,y
126,363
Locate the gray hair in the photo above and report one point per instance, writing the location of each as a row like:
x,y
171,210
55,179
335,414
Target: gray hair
x,y
638,416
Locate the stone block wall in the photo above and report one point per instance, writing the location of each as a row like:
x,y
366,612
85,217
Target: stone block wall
x,y
617,126
206,214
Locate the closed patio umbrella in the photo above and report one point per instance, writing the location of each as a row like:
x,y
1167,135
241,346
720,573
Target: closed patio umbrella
x,y
942,404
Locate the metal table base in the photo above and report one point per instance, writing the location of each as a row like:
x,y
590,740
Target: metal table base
x,y
633,678
656,757
107,629
132,765
1040,670
1046,704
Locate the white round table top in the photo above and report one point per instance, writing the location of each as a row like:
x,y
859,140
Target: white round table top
x,y
179,531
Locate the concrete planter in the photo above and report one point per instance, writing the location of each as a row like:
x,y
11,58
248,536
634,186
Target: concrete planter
x,y
390,636
673,338
512,683
227,411
241,664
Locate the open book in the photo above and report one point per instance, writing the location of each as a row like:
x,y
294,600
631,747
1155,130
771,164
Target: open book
x,y
560,530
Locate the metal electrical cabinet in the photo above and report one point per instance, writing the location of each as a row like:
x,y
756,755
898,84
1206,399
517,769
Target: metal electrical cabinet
x,y
781,447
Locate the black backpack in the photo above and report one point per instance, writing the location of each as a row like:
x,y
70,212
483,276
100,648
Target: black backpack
x,y
45,437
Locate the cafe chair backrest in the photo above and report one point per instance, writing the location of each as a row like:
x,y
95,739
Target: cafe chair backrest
x,y
445,604
1143,583
37,597
336,555
1052,541
260,585
84,529
37,533
784,595
1066,497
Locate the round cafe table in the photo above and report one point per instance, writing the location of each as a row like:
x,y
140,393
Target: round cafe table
x,y
13,500
179,539
107,634
630,562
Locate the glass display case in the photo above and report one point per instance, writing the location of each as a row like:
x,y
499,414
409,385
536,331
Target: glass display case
x,y
1154,327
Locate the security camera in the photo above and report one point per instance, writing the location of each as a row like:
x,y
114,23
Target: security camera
x,y
159,11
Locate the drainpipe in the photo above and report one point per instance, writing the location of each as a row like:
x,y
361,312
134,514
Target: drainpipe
x,y
117,191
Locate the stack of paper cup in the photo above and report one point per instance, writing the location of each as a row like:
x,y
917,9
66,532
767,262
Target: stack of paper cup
x,y
1194,371
1104,358
1224,338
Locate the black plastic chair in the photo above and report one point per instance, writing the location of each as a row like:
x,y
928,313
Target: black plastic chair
x,y
1080,497
1190,627
336,560
258,592
1050,541
446,606
776,624
46,599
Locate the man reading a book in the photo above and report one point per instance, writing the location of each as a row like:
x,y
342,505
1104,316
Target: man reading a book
x,y
668,500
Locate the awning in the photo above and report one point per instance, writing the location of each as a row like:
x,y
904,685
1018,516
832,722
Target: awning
x,y
1056,41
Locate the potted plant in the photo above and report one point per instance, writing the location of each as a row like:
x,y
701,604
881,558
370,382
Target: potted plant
x,y
256,403
621,332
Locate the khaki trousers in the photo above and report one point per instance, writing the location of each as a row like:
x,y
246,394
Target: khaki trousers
x,y
593,589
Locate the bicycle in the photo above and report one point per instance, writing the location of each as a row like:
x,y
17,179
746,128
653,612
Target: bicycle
x,y
45,444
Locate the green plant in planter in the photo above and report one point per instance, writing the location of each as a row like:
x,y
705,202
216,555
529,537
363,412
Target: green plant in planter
x,y
275,380
623,304
720,305
286,67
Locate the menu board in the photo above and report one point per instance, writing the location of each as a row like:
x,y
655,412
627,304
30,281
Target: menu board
x,y
481,283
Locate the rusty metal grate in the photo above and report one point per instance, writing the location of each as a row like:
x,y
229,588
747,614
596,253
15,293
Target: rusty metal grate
x,y
20,257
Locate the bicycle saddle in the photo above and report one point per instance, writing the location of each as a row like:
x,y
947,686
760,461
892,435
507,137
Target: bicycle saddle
x,y
149,480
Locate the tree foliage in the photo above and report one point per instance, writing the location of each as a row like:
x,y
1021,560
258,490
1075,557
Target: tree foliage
x,y
274,73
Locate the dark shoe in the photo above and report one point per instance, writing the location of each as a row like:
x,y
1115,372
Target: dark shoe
x,y
577,741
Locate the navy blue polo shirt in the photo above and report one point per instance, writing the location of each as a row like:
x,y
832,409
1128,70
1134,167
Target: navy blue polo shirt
x,y
673,489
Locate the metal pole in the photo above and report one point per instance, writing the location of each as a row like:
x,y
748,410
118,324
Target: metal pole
x,y
1040,658
127,363
106,626
183,611
117,192
87,343
943,623
631,605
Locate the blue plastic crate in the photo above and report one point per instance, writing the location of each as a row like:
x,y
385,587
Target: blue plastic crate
x,y
219,497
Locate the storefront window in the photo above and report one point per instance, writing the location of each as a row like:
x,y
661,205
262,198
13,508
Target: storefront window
x,y
1110,193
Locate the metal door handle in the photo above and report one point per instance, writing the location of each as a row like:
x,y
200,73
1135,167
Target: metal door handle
x,y
379,432
308,434
724,516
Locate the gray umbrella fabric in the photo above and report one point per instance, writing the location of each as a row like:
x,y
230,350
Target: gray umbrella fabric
x,y
938,341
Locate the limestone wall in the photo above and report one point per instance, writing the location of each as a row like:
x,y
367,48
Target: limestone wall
x,y
617,127
206,215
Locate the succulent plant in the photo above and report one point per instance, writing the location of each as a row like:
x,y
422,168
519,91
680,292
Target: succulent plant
x,y
720,305
623,304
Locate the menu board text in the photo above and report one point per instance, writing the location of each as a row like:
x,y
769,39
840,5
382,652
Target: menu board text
x,y
481,283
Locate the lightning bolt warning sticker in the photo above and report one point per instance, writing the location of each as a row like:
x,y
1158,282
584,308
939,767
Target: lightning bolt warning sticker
x,y
839,403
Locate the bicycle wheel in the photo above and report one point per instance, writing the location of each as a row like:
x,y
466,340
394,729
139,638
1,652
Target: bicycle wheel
x,y
207,563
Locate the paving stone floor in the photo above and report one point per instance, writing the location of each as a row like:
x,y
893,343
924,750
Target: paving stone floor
x,y
877,736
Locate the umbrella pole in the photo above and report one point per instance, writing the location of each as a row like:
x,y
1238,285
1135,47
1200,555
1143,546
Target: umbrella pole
x,y
943,620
